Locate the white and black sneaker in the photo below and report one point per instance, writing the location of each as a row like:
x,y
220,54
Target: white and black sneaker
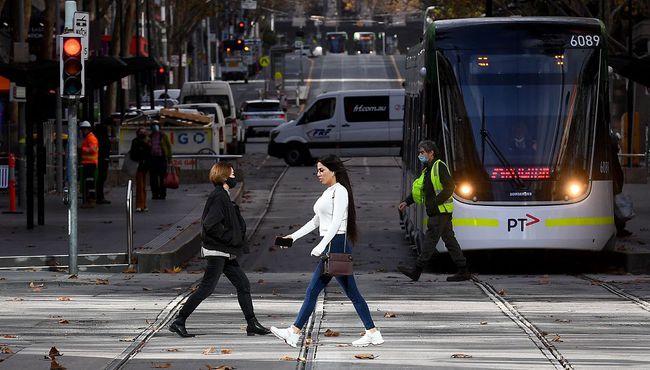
x,y
369,338
287,335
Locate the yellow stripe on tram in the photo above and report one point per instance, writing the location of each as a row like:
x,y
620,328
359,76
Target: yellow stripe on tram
x,y
478,222
578,221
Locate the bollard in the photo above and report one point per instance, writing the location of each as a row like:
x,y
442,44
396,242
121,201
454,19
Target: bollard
x,y
12,184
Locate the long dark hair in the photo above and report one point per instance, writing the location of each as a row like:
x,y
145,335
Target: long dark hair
x,y
334,164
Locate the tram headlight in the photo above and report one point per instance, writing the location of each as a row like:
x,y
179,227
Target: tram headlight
x,y
574,189
465,190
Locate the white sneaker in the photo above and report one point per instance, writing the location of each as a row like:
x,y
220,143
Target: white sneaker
x,y
287,335
369,338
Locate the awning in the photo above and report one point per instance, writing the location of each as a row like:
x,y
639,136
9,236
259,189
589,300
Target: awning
x,y
635,69
100,71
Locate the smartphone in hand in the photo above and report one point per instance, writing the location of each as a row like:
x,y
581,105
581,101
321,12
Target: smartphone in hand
x,y
282,242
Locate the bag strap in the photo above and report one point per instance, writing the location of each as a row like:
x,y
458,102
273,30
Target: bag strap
x,y
345,241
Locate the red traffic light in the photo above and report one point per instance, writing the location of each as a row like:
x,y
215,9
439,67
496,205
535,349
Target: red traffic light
x,y
161,70
242,24
72,46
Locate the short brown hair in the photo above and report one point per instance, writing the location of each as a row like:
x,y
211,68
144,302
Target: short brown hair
x,y
220,172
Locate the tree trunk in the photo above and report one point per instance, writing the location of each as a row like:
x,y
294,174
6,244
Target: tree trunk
x,y
48,31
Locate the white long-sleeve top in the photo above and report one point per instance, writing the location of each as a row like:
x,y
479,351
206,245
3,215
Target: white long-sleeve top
x,y
331,215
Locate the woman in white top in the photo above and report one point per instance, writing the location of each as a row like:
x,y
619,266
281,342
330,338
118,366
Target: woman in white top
x,y
334,217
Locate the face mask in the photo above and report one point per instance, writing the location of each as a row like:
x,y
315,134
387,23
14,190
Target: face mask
x,y
231,182
423,158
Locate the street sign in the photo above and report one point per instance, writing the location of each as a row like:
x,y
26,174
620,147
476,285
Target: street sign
x,y
265,61
17,93
249,4
80,23
278,76
173,62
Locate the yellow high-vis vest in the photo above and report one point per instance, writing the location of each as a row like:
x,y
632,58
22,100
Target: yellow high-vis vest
x,y
417,189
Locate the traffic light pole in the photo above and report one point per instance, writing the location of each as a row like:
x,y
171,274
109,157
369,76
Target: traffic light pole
x,y
72,186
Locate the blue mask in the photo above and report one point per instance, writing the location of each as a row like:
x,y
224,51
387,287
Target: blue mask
x,y
423,158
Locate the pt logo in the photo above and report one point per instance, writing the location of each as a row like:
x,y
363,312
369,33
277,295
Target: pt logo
x,y
520,223
319,132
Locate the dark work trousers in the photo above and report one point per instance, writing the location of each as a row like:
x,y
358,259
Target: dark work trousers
x,y
234,273
89,181
319,282
102,172
157,173
440,226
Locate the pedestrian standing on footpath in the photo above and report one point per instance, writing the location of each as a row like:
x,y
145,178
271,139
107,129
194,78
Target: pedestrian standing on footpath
x,y
104,142
434,188
161,156
335,217
89,159
141,152
223,240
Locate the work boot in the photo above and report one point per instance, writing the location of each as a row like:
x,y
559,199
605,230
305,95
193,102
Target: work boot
x,y
254,327
413,274
462,275
178,326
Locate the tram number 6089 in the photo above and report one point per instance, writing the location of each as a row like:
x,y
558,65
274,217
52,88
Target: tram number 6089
x,y
584,41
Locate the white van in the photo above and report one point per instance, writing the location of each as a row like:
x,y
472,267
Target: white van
x,y
217,92
356,123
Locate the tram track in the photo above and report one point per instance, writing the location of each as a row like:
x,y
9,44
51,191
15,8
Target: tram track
x,y
643,304
552,354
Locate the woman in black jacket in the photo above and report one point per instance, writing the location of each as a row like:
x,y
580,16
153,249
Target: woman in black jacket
x,y
223,234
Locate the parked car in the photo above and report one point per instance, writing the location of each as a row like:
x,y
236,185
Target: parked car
x,y
218,92
261,116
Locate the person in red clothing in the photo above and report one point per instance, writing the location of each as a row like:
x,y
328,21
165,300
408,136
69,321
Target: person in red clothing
x,y
89,159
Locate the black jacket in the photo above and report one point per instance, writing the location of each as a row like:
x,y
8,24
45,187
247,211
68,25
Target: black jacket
x,y
431,200
141,152
222,227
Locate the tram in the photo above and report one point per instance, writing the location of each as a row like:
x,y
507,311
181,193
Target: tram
x,y
336,42
519,110
364,42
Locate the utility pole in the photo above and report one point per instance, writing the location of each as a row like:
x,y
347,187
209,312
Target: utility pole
x,y
152,74
630,89
59,119
70,8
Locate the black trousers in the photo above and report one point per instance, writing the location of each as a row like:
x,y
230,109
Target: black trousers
x,y
102,172
157,173
440,226
234,273
89,182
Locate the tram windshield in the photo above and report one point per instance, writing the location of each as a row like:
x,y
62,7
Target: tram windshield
x,y
523,115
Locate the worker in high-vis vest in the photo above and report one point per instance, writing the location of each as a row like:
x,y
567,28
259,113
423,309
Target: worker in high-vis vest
x,y
89,158
434,189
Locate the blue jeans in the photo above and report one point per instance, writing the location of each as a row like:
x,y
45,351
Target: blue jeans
x,y
319,282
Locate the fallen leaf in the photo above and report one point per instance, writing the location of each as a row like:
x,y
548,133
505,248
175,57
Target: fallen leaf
x,y
563,321
460,355
146,289
226,351
18,299
343,345
130,270
308,342
209,350
260,281
220,367
127,339
483,322
32,285
161,365
56,366
149,321
54,352
502,292
64,321
289,358
73,276
5,349
63,298
557,338
101,282
9,336
366,356
36,290
331,333
390,315
172,349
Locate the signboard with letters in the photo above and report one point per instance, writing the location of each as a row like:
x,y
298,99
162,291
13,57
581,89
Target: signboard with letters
x,y
80,23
